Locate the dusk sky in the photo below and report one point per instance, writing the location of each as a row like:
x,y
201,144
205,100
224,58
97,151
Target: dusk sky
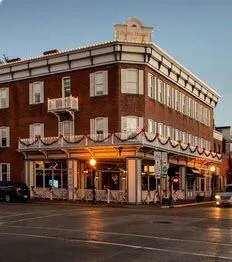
x,y
197,33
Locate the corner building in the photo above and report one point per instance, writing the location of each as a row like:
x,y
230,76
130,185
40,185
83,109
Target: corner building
x,y
125,103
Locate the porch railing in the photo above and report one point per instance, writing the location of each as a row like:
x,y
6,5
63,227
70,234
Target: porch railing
x,y
116,139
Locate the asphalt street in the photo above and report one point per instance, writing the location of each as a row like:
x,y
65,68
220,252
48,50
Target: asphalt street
x,y
68,232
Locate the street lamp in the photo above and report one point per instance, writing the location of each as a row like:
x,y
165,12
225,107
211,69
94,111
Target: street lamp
x,y
213,181
92,163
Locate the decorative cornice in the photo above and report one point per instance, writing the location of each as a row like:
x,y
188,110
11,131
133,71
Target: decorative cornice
x,y
109,53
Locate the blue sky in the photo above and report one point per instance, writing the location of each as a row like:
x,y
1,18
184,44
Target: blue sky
x,y
197,33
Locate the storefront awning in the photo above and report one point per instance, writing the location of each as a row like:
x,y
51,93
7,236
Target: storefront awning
x,y
192,171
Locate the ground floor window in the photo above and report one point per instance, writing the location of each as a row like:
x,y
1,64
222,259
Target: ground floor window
x,y
190,183
150,182
4,171
51,174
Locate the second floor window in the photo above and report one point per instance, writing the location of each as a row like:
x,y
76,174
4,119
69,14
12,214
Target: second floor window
x,y
36,93
4,97
99,83
36,130
99,127
4,137
66,86
66,128
131,124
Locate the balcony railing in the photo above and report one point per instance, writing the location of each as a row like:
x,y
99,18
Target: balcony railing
x,y
117,139
63,104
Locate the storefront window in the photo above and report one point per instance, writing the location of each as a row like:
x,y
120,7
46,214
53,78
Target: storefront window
x,y
149,182
51,174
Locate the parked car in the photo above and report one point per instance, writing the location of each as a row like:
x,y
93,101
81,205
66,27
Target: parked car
x,y
225,197
14,191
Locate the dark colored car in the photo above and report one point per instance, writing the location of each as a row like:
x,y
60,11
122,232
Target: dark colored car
x,y
14,191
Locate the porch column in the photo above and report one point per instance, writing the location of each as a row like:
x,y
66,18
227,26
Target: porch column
x,y
134,188
72,177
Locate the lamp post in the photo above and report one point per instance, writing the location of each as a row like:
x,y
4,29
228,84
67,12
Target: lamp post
x,y
92,163
213,180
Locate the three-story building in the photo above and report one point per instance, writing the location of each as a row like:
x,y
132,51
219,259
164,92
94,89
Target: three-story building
x,y
126,103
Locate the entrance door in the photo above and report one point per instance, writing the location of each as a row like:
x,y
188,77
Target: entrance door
x,y
190,187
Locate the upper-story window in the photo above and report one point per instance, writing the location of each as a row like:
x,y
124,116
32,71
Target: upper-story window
x,y
4,97
36,92
66,86
132,81
151,86
4,172
4,137
36,130
99,127
131,124
66,128
152,126
99,83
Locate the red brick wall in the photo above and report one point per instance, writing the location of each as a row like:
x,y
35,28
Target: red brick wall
x,y
21,114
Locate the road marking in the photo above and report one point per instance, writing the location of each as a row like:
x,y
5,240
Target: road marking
x,y
119,244
39,217
17,214
127,234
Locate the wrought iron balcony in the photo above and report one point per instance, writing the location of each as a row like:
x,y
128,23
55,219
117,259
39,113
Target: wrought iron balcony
x,y
63,104
117,139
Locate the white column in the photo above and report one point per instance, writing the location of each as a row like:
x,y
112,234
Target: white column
x,y
72,169
134,167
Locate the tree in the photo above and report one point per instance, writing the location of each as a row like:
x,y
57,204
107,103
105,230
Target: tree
x,y
3,59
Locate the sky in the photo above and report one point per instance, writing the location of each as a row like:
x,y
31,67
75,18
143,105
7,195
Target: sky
x,y
197,33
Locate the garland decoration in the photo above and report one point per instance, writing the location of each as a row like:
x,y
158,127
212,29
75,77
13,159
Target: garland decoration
x,y
173,144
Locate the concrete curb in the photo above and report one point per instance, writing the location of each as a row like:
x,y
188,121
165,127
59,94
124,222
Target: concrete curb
x,y
189,204
115,205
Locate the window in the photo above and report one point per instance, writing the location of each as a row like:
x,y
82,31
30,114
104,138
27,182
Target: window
x,y
160,91
66,128
4,97
152,126
161,129
132,81
99,83
177,135
169,95
177,100
36,129
66,86
36,93
49,174
4,137
4,172
131,124
151,86
99,127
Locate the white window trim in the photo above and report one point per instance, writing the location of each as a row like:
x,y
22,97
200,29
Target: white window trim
x,y
8,171
32,128
31,93
63,87
7,130
93,84
6,99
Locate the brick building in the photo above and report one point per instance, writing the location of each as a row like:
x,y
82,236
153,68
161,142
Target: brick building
x,y
125,103
226,167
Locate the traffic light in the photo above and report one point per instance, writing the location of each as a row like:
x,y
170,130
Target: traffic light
x,y
175,179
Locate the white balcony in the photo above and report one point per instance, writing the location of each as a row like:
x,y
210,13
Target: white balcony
x,y
63,104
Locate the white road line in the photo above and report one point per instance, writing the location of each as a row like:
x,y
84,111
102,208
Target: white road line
x,y
120,244
127,234
39,217
17,214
